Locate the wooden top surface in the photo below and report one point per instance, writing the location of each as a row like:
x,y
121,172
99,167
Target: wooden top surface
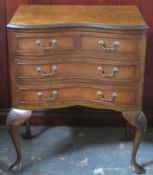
x,y
37,16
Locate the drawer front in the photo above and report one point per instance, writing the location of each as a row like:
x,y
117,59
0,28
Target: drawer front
x,y
77,70
72,94
44,44
110,43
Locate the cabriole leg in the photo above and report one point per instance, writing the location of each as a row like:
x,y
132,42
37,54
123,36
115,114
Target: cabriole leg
x,y
27,134
16,118
129,131
138,120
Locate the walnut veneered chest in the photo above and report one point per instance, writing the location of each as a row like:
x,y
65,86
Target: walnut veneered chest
x,y
62,56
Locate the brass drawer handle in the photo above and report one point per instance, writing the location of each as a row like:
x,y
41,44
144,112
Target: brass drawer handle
x,y
103,99
102,71
105,48
52,97
41,71
51,45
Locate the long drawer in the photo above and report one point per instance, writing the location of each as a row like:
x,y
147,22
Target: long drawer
x,y
63,70
74,93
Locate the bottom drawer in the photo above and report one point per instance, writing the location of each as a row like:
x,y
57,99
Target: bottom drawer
x,y
76,94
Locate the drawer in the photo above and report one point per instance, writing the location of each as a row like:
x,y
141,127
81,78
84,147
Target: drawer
x,y
110,43
109,71
40,44
77,93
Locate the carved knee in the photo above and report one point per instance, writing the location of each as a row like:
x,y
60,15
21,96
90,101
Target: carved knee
x,y
17,117
136,119
141,122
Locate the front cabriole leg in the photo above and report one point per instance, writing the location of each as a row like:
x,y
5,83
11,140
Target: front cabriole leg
x,y
139,121
16,118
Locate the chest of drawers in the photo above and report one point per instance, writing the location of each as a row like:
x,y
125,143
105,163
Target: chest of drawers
x,y
64,56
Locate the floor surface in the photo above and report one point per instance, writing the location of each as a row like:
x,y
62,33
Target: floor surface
x,y
76,151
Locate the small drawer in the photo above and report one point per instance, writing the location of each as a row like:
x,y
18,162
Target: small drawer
x,y
77,93
108,71
40,44
110,43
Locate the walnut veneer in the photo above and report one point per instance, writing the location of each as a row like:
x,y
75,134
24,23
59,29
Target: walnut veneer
x,y
62,56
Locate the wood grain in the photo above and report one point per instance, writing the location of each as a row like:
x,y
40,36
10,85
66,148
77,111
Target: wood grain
x,y
51,15
131,43
74,2
11,7
131,2
147,12
121,24
146,8
3,59
57,2
107,2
